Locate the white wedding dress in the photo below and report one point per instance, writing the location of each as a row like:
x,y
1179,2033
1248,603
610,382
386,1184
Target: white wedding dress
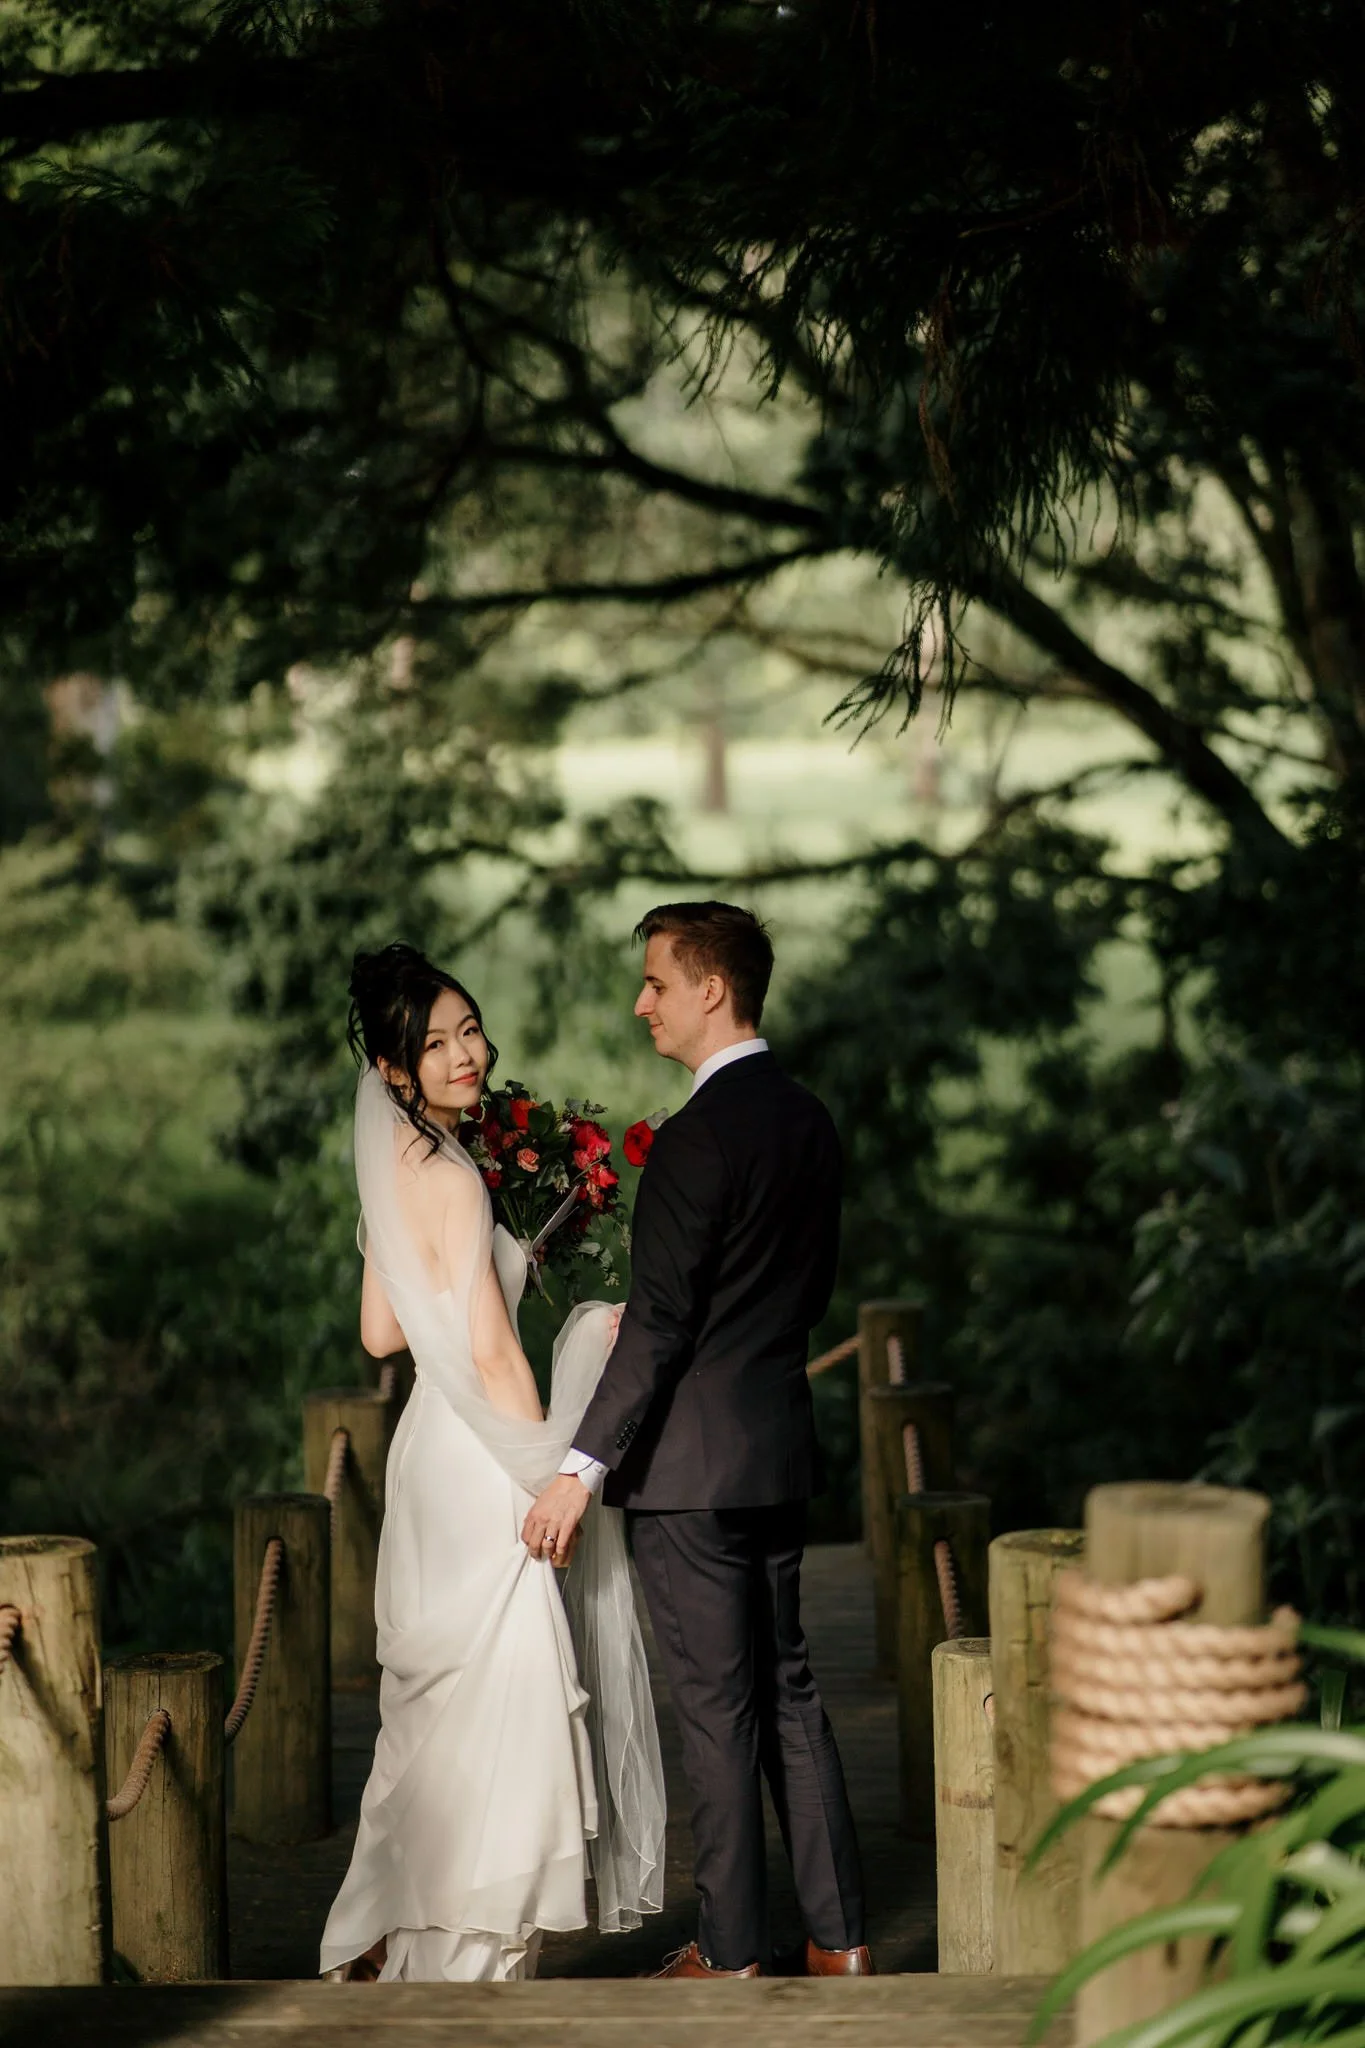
x,y
509,1745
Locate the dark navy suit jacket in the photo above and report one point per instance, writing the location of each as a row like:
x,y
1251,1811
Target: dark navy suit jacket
x,y
704,1402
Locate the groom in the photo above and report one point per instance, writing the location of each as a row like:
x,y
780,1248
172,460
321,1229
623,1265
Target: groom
x,y
702,1429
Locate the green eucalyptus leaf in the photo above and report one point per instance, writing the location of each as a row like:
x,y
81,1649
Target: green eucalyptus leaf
x,y
1343,1922
1333,1696
1165,1923
1325,1869
1338,1803
1222,2008
1337,1642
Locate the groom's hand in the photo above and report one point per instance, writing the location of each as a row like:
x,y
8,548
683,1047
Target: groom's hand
x,y
551,1528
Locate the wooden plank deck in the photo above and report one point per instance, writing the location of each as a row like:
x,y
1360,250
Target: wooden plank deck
x,y
875,2012
278,1898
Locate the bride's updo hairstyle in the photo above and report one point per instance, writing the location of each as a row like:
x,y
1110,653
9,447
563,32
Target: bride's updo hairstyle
x,y
392,993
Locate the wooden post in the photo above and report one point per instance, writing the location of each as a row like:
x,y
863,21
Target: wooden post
x,y
923,1520
964,1777
367,1418
1036,1910
878,1321
54,1872
168,1857
282,1759
892,1410
1216,1535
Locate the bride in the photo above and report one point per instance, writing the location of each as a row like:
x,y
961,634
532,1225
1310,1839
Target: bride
x,y
513,1737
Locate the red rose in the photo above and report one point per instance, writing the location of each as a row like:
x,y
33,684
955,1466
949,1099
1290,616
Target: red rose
x,y
637,1142
601,1176
528,1159
521,1107
591,1141
492,1176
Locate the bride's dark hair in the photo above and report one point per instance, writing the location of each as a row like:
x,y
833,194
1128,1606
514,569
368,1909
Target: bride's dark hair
x,y
392,992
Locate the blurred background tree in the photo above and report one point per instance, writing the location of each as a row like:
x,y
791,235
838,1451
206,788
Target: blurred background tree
x,y
440,438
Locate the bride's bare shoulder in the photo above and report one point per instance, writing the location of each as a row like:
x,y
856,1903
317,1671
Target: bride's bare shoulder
x,y
441,1171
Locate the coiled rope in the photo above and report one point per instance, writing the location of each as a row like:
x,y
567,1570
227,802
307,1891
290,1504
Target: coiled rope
x,y
149,1748
1132,1680
271,1565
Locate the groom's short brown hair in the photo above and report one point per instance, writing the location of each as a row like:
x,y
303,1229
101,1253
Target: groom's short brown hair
x,y
717,938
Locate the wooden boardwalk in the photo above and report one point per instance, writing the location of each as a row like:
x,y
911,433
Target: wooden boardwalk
x,y
278,1898
878,2012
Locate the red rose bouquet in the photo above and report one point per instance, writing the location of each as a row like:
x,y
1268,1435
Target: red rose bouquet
x,y
550,1175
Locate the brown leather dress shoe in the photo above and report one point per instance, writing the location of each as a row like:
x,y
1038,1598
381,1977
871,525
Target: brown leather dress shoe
x,y
690,1962
839,1962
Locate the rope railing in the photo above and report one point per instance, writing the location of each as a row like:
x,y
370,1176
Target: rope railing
x,y
895,1360
945,1564
914,1461
271,1565
388,1380
834,1357
150,1746
337,1454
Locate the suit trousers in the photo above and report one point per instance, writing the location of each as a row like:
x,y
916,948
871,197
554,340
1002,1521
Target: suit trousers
x,y
723,1587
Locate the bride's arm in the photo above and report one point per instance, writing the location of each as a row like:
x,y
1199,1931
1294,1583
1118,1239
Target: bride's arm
x,y
502,1364
380,1332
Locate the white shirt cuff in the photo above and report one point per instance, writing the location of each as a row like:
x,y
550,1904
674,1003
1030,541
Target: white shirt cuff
x,y
590,1470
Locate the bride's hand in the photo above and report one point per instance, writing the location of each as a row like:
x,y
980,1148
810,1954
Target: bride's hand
x,y
551,1528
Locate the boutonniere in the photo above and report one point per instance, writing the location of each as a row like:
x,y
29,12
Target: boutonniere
x,y
639,1139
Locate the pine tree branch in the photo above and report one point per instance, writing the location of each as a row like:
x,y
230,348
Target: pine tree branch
x,y
623,460
1181,744
588,405
655,590
61,108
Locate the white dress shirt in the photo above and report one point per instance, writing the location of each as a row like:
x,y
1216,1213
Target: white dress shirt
x,y
578,1463
727,1055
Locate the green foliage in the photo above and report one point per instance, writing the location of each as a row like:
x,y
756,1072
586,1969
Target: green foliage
x,y
1137,1261
1251,1271
161,1312
988,1158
